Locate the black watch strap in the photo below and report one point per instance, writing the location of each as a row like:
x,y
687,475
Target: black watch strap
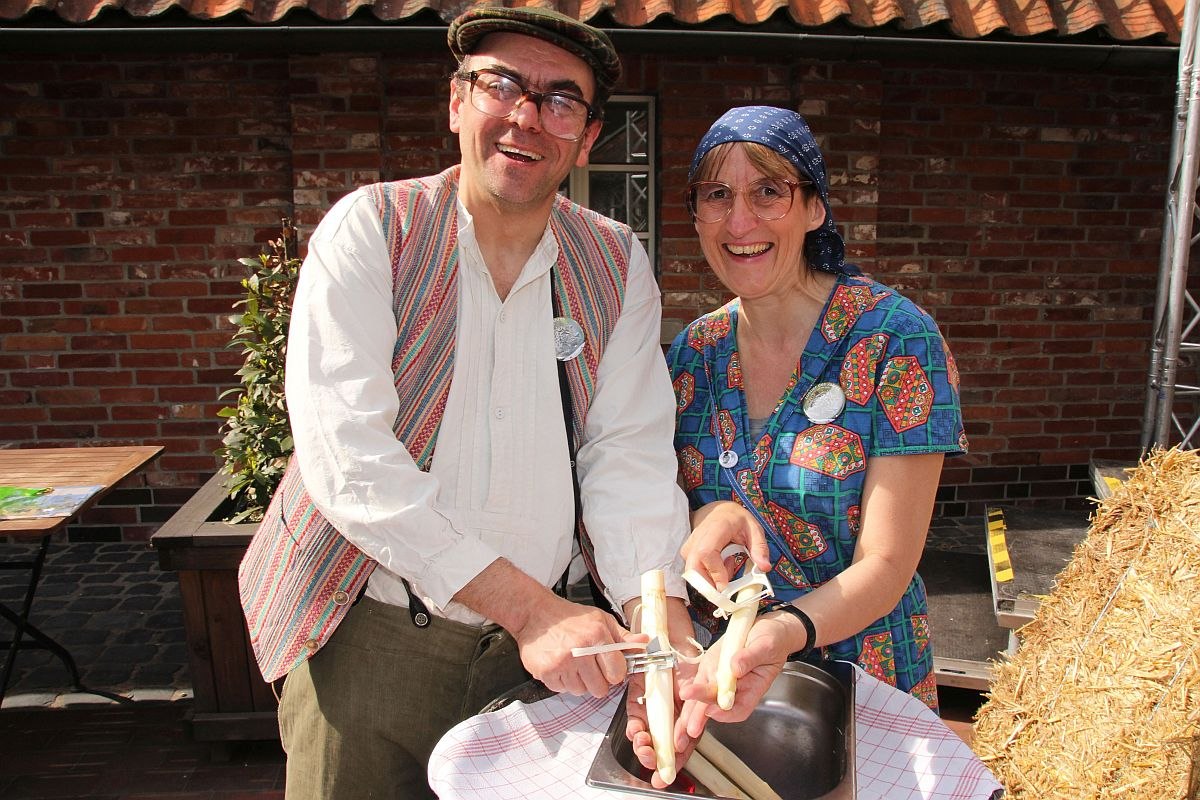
x,y
810,630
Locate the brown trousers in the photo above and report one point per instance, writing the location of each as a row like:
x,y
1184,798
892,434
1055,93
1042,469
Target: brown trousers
x,y
361,717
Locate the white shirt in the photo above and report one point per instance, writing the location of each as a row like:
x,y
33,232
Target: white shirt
x,y
500,480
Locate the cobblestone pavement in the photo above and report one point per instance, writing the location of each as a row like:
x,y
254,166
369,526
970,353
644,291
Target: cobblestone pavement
x,y
120,617
114,610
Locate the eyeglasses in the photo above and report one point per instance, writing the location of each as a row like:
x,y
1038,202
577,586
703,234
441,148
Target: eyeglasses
x,y
561,114
768,198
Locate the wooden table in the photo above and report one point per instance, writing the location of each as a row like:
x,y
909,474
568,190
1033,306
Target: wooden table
x,y
56,466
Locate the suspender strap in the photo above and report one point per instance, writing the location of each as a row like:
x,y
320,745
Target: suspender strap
x,y
564,392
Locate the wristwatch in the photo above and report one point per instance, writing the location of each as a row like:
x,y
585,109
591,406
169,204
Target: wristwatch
x,y
810,630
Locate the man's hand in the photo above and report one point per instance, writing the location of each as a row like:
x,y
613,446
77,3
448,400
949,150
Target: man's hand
x,y
546,627
715,527
557,625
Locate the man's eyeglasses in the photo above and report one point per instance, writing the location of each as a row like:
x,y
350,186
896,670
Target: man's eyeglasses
x,y
768,198
561,114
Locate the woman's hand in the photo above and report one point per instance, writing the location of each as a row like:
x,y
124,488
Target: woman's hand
x,y
715,527
771,641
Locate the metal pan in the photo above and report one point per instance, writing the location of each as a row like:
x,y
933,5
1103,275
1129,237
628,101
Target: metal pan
x,y
800,740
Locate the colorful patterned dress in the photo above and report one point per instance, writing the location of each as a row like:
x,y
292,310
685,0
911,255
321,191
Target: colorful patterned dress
x,y
805,478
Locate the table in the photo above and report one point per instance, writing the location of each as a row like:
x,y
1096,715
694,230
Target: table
x,y
56,466
543,751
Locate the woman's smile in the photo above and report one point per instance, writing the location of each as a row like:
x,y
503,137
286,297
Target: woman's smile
x,y
748,250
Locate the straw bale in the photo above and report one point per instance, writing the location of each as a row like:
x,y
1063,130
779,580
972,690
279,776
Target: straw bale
x,y
1102,698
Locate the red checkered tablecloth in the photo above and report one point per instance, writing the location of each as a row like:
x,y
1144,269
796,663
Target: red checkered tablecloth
x,y
542,751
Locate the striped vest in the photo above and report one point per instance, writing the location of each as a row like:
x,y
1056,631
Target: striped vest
x,y
299,575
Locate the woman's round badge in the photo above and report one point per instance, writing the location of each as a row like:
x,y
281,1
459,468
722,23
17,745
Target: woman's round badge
x,y
727,459
824,402
568,338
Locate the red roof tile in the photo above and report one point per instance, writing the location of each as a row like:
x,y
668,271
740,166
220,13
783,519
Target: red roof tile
x,y
1121,20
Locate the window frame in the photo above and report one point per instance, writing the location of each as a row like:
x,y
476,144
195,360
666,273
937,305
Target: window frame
x,y
579,189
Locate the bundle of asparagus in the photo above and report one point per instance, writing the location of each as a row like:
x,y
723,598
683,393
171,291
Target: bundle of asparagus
x,y
660,679
724,774
712,764
739,602
732,641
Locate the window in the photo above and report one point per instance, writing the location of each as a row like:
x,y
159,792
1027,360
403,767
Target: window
x,y
619,178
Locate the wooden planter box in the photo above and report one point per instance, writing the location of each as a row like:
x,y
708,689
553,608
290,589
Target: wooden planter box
x,y
232,701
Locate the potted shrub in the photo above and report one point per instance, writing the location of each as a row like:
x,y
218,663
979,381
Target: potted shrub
x,y
205,539
258,440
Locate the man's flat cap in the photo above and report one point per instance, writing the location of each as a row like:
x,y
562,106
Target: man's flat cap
x,y
581,39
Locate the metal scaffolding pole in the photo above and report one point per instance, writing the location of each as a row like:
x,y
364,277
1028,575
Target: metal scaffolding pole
x,y
1165,417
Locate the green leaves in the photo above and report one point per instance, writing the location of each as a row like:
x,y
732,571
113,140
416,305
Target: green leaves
x,y
257,438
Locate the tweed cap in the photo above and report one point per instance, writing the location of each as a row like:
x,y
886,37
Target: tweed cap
x,y
578,38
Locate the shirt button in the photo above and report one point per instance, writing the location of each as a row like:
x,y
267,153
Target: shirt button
x,y
312,644
340,598
504,316
499,413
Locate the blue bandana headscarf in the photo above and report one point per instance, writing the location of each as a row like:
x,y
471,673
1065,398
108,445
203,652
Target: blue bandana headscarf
x,y
786,133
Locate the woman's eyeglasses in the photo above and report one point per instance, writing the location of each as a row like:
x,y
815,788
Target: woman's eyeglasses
x,y
561,114
768,198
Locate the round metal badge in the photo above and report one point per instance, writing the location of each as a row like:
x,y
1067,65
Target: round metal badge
x,y
568,338
727,459
824,402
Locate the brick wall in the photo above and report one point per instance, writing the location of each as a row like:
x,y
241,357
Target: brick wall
x,y
129,187
1025,209
1021,207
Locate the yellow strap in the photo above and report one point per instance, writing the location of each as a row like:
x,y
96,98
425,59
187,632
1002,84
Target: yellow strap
x,y
1001,563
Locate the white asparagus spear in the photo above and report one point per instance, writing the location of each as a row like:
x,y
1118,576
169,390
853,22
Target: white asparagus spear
x,y
713,779
660,683
724,759
732,641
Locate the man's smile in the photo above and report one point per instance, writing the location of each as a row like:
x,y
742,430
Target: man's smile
x,y
517,154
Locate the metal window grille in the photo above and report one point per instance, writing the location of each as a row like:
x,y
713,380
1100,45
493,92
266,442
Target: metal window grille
x,y
619,180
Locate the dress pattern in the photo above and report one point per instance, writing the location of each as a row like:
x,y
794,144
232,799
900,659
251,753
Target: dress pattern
x,y
804,479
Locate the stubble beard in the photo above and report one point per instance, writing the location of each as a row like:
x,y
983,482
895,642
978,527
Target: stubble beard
x,y
520,194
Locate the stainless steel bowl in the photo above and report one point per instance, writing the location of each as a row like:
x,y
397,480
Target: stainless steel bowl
x,y
800,740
